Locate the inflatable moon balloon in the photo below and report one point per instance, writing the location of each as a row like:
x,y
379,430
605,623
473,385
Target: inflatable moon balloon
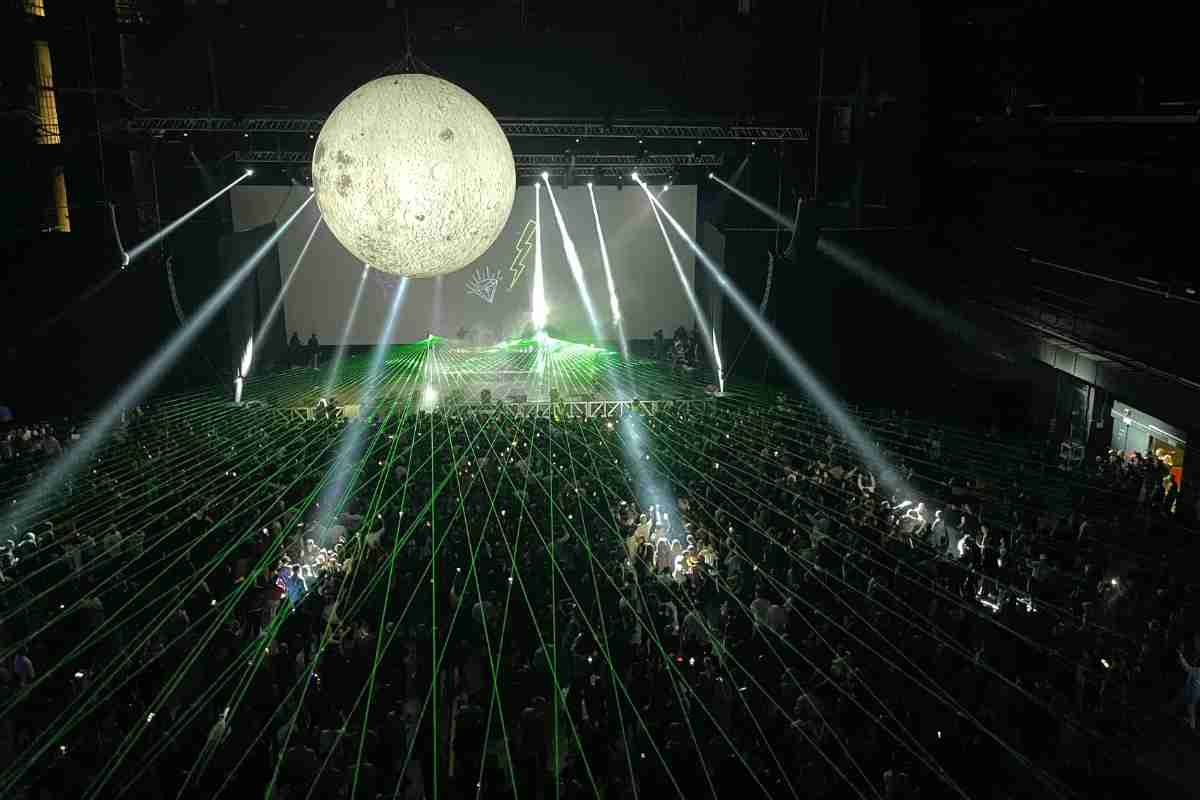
x,y
413,175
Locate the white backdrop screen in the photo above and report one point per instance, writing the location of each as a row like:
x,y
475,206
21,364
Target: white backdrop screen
x,y
490,299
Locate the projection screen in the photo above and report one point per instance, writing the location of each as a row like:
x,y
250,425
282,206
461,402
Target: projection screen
x,y
489,300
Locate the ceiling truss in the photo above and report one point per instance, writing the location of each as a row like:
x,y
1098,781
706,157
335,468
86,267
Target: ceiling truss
x,y
246,124
533,164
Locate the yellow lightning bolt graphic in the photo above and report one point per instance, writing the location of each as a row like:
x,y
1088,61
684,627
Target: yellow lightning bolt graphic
x,y
524,245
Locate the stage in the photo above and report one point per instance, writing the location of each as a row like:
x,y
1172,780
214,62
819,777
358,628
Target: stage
x,y
533,376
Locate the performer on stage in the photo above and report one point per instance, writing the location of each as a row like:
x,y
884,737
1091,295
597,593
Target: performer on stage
x,y
295,351
314,351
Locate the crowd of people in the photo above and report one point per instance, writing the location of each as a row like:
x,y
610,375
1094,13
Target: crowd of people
x,y
724,599
1148,475
32,440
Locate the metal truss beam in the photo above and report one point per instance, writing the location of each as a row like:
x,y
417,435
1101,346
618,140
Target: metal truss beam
x,y
620,160
624,130
273,156
649,171
533,164
513,126
612,166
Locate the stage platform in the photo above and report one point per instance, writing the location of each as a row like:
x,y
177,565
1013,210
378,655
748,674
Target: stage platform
x,y
527,377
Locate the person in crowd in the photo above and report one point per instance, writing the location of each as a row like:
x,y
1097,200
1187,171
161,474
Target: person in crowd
x,y
292,583
1191,689
112,542
22,668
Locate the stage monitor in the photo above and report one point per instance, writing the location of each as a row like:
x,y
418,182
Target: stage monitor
x,y
489,300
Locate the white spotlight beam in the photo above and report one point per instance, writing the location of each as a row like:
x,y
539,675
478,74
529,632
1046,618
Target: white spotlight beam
x,y
145,379
137,251
239,383
247,358
278,302
878,279
646,481
613,303
351,448
720,368
774,214
874,277
689,292
345,338
916,301
791,360
538,301
435,319
573,260
384,338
